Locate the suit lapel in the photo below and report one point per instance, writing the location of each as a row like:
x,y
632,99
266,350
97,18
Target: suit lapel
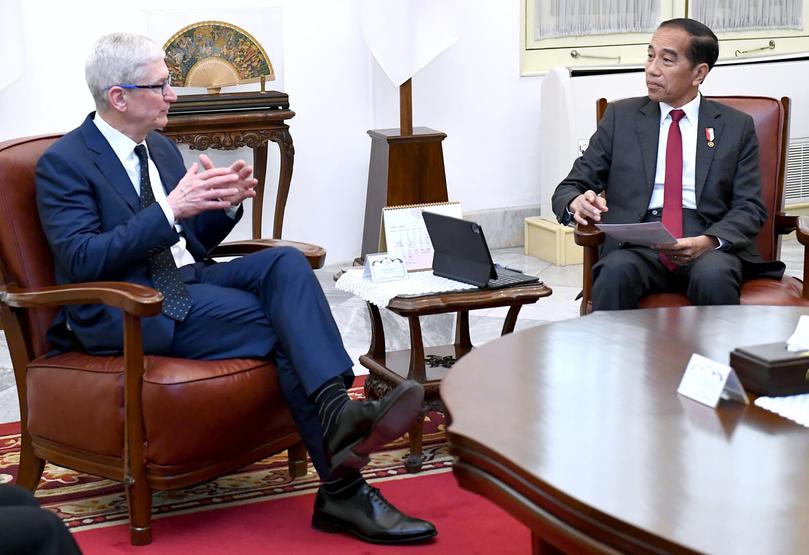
x,y
709,116
109,165
647,124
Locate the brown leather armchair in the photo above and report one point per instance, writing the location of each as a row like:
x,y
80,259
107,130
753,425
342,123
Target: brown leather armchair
x,y
151,422
771,118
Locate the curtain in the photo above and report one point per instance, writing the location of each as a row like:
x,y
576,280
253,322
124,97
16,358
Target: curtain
x,y
574,18
748,15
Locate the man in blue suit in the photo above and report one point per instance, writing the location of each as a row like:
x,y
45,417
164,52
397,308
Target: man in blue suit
x,y
117,203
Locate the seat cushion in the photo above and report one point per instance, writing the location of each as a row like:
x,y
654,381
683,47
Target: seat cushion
x,y
762,291
193,410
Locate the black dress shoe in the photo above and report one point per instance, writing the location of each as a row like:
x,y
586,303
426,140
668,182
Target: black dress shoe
x,y
365,426
369,516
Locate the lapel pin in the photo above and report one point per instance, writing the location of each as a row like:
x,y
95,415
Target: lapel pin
x,y
709,135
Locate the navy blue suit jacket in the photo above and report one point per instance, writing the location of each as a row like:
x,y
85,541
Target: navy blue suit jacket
x,y
91,216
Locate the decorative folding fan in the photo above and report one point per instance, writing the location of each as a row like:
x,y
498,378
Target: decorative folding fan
x,y
215,54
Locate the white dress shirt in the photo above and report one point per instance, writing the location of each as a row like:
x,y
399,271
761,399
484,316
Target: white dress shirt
x,y
688,129
124,149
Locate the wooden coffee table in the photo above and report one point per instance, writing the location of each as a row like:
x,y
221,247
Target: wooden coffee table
x,y
582,436
429,365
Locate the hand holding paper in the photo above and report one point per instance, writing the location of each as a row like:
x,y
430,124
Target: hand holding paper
x,y
650,234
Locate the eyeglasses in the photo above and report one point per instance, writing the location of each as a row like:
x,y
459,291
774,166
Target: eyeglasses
x,y
162,87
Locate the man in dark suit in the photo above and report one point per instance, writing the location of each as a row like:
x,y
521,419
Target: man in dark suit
x,y
707,150
117,203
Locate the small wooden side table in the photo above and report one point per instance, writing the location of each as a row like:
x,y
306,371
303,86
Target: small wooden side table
x,y
388,369
233,120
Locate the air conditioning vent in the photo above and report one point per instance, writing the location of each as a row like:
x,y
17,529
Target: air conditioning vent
x,y
797,179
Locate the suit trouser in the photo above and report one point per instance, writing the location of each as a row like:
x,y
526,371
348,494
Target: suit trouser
x,y
27,529
625,275
268,303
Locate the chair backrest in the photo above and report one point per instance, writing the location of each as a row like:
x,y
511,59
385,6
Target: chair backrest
x,y
25,258
771,117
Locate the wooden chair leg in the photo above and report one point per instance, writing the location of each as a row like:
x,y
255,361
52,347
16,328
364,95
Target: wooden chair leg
x,y
297,460
139,497
30,469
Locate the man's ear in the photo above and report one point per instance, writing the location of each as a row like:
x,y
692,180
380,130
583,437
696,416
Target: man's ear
x,y
116,97
702,73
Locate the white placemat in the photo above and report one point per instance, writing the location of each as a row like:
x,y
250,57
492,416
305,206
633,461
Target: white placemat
x,y
380,294
793,407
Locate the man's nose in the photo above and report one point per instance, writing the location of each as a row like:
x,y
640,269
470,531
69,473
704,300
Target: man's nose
x,y
170,95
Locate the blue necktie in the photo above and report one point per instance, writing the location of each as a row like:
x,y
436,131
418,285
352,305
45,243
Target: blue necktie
x,y
165,275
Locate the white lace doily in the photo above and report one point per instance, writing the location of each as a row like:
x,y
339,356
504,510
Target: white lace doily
x,y
380,294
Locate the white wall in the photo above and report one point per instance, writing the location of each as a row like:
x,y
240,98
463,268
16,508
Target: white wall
x,y
472,92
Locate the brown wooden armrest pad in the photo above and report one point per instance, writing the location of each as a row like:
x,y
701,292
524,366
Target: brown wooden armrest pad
x,y
588,235
137,300
314,253
785,223
802,230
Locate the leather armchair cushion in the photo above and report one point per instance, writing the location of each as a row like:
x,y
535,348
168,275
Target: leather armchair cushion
x,y
786,292
78,400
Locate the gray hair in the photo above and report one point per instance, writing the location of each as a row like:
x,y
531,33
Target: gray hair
x,y
116,59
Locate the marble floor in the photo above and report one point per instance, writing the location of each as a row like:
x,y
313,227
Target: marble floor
x,y
352,318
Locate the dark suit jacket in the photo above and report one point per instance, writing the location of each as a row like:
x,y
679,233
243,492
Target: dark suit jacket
x,y
91,216
621,159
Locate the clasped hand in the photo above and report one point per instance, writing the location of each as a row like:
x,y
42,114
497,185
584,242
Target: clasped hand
x,y
212,188
687,249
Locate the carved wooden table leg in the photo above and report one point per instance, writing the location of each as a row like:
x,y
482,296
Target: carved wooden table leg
x,y
418,373
284,140
415,458
376,387
511,319
260,173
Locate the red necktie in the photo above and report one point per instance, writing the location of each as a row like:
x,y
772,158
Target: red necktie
x,y
673,184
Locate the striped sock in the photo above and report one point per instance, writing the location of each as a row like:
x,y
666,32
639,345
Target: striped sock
x,y
330,399
345,487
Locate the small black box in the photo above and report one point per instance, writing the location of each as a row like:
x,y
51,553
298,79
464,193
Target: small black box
x,y
770,369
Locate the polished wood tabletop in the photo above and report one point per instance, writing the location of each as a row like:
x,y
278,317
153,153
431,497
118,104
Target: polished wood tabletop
x,y
582,435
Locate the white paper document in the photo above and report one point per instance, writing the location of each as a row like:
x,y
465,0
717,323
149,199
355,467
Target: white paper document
x,y
793,407
647,233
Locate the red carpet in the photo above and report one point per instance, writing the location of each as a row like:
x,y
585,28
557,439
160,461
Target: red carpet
x,y
258,509
467,524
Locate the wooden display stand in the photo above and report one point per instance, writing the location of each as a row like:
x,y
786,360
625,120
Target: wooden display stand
x,y
407,167
233,120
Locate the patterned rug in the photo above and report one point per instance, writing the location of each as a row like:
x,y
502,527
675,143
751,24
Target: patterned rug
x,y
83,501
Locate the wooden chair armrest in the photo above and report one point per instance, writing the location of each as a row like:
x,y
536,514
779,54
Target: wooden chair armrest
x,y
136,300
802,230
588,235
314,253
785,223
590,238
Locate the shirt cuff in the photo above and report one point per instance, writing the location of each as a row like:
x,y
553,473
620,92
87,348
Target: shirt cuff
x,y
231,211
